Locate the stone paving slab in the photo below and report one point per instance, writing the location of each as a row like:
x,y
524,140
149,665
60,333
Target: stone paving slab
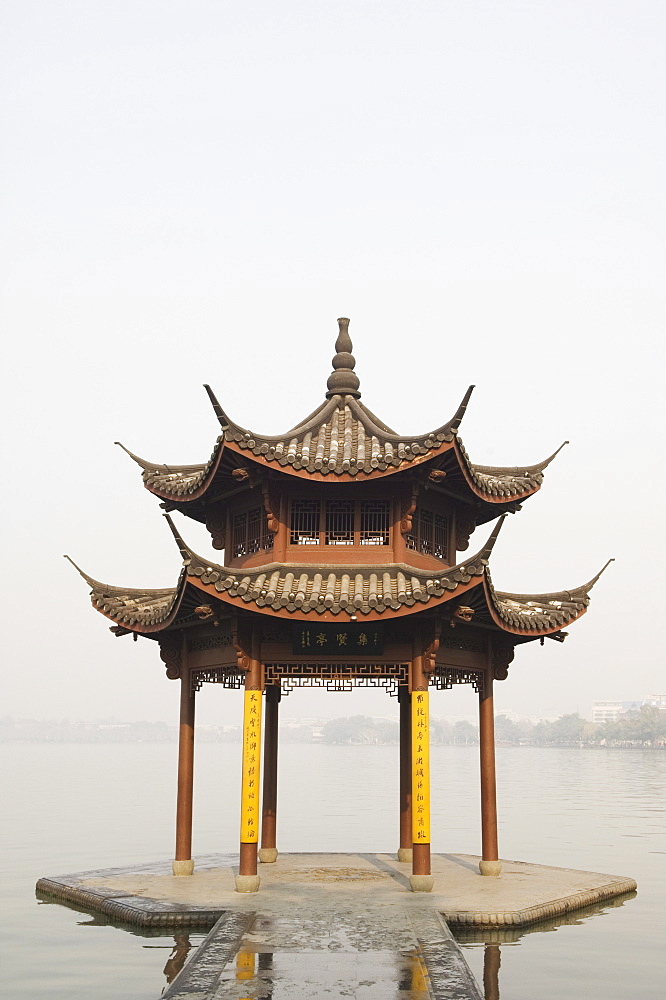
x,y
381,953
524,894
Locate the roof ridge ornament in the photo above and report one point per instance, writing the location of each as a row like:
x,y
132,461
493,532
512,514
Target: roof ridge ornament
x,y
343,381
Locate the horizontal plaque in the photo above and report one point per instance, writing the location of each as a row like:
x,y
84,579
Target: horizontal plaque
x,y
345,639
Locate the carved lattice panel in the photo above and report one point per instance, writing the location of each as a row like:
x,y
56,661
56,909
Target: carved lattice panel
x,y
226,676
443,678
337,676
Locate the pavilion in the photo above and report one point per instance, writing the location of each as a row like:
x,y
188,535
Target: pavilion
x,y
342,567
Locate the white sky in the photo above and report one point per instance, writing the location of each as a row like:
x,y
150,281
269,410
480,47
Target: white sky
x,y
195,191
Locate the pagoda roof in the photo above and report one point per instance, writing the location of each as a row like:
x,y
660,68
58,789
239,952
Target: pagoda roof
x,y
342,440
307,592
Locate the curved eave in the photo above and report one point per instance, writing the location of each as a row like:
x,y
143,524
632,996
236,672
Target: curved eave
x,y
501,484
143,611
180,483
534,615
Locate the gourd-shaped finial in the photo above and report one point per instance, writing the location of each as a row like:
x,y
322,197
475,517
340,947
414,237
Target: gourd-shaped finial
x,y
343,381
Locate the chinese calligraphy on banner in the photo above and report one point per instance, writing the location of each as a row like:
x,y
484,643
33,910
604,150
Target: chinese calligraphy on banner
x,y
420,768
249,833
338,639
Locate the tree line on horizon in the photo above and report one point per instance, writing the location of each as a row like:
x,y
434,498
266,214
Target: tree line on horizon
x,y
646,727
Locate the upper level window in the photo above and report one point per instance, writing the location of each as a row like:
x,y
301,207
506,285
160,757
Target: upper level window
x,y
340,522
250,533
375,522
305,518
429,534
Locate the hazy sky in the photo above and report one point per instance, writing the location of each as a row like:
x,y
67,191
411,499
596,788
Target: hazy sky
x,y
195,191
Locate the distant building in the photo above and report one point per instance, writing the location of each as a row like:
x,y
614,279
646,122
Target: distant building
x,y
609,711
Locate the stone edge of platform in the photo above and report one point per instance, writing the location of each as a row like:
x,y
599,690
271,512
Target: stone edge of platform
x,y
484,920
120,907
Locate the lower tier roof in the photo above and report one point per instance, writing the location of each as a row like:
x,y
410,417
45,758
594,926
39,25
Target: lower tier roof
x,y
310,592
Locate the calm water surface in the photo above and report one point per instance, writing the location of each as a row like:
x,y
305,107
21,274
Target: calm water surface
x,y
72,807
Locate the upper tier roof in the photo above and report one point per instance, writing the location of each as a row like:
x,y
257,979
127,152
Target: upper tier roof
x,y
303,592
343,440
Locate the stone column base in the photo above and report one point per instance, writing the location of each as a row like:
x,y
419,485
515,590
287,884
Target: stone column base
x,y
267,855
421,883
493,868
247,883
405,855
182,867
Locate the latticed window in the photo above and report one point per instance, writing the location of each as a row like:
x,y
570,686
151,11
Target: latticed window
x,y
340,522
250,532
429,534
374,523
305,516
440,537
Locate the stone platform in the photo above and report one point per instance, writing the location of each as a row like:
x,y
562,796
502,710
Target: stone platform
x,y
333,925
523,895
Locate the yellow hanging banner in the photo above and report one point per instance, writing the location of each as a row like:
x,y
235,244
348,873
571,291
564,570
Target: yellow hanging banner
x,y
249,830
420,768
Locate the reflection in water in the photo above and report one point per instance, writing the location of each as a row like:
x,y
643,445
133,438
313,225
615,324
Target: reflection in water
x,y
176,960
493,939
511,935
289,975
491,967
245,965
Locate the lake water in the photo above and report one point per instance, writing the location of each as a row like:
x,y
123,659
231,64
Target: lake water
x,y
72,807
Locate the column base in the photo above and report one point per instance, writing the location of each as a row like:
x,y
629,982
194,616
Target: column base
x,y
267,855
421,883
405,855
492,868
247,883
182,867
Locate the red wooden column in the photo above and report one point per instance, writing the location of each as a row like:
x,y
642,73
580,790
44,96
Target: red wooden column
x,y
405,702
421,879
247,879
490,863
268,851
183,863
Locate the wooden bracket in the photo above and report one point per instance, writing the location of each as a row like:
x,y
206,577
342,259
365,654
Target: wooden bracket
x,y
408,508
272,521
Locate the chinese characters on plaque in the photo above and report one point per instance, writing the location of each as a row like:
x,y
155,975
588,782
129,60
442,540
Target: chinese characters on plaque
x,y
420,768
251,752
343,639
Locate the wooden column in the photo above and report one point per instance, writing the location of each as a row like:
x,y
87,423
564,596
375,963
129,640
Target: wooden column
x,y
247,879
183,863
421,880
268,851
405,702
489,864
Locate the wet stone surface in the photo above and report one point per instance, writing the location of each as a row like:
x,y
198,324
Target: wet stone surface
x,y
377,954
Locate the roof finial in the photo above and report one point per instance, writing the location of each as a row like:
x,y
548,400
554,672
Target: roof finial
x,y
343,381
